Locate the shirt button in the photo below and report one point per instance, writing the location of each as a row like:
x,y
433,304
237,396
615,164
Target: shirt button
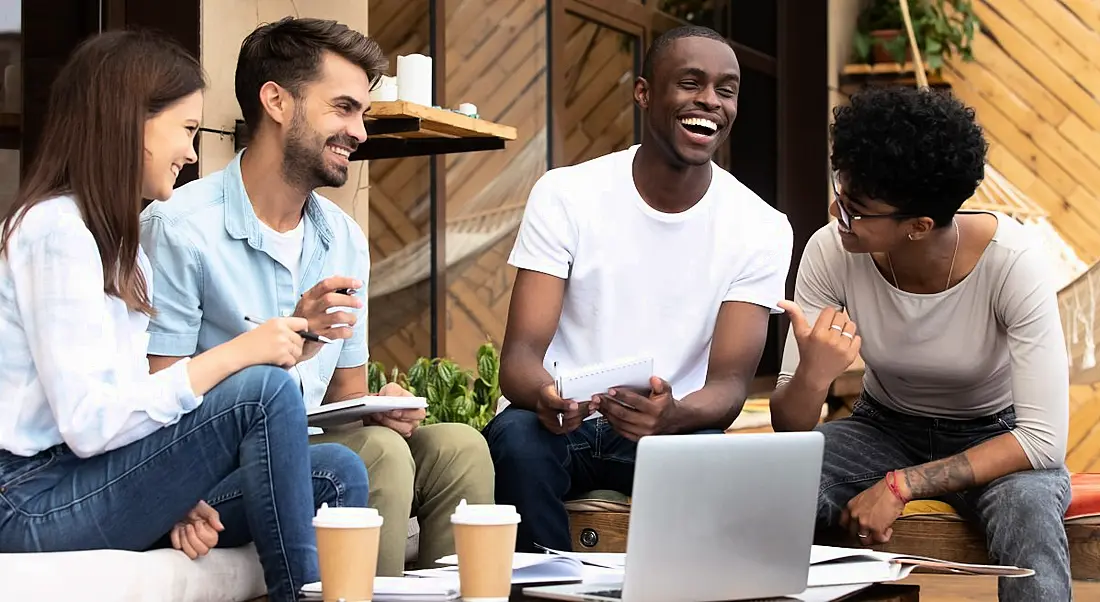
x,y
287,313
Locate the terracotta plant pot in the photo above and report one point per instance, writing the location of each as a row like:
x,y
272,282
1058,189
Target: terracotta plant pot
x,y
879,53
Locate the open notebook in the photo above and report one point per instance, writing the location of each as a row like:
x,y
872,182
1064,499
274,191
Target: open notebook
x,y
841,566
528,568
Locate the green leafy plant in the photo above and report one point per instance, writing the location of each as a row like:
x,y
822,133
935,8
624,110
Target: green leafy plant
x,y
943,28
454,394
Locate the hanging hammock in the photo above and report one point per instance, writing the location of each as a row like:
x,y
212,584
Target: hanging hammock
x,y
399,284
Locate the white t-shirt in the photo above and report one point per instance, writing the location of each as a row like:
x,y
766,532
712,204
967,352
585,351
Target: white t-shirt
x,y
642,282
286,248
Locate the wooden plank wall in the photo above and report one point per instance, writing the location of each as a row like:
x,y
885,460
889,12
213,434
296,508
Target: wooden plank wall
x,y
1035,84
496,59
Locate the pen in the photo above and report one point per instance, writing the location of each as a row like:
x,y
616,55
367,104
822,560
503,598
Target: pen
x,y
305,334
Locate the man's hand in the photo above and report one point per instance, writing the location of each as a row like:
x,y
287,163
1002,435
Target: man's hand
x,y
557,415
825,350
871,514
315,306
652,414
404,422
197,534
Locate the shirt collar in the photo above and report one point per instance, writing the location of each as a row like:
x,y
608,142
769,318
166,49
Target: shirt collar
x,y
240,218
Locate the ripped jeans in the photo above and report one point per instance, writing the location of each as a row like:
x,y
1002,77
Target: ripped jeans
x,y
1021,513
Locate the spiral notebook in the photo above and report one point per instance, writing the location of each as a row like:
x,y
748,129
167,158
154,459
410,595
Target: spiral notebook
x,y
581,384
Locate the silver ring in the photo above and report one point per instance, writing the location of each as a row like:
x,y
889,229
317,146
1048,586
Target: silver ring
x,y
847,334
836,327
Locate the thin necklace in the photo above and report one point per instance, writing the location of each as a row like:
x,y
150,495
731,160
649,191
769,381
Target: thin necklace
x,y
949,270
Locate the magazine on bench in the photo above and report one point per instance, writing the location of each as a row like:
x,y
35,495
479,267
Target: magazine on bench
x,y
841,566
353,410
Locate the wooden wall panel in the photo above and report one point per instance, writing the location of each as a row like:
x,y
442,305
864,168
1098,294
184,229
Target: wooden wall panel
x,y
496,59
1035,85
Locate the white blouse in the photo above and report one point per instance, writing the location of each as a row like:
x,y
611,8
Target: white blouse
x,y
73,366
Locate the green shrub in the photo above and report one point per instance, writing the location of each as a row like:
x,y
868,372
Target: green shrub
x,y
454,393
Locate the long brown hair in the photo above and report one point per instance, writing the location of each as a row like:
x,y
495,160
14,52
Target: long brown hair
x,y
93,144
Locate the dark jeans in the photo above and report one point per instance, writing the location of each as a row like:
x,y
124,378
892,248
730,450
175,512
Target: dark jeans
x,y
244,450
536,471
1021,514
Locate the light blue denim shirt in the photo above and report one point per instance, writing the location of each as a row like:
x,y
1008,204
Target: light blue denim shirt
x,y
212,266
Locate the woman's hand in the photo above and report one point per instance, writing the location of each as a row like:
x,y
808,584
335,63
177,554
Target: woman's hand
x,y
275,342
197,534
825,349
870,515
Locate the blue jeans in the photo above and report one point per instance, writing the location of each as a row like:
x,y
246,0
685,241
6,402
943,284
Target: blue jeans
x,y
244,450
536,471
1021,513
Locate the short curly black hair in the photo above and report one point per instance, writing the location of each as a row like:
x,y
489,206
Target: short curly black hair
x,y
920,151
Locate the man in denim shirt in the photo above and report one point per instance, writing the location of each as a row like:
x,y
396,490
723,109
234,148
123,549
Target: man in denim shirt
x,y
256,240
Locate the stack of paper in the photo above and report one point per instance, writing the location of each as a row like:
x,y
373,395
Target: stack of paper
x,y
842,566
534,568
399,589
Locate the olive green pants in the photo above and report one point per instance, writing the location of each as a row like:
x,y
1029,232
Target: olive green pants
x,y
425,476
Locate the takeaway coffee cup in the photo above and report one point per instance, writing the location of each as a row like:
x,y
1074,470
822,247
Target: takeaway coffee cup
x,y
347,550
485,540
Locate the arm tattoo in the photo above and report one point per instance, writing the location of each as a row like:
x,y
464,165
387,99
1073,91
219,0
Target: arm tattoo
x,y
941,477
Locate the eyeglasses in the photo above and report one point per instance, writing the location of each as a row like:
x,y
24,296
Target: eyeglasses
x,y
847,217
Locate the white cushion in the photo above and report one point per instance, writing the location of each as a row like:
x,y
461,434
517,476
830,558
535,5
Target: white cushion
x,y
224,575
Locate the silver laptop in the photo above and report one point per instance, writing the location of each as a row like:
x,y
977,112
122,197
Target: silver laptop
x,y
715,517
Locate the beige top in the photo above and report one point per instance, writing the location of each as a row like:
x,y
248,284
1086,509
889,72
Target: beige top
x,y
991,341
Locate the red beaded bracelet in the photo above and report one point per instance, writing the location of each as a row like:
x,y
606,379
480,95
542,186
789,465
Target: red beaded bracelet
x,y
891,482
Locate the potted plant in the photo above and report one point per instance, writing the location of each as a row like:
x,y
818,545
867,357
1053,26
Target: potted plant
x,y
942,28
454,394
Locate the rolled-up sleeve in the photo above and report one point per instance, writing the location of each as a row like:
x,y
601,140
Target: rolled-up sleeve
x,y
177,288
97,399
1028,307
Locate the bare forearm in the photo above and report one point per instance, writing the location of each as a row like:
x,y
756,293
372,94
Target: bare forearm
x,y
796,406
522,376
347,383
974,467
715,406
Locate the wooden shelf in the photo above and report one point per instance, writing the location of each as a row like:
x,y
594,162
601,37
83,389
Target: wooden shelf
x,y
400,129
891,74
404,129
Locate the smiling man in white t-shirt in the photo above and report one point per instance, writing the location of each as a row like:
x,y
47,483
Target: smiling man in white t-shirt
x,y
652,251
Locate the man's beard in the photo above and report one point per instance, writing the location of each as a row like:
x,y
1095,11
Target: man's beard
x,y
304,162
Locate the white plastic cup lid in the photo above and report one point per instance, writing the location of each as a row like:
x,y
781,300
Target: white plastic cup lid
x,y
484,514
347,518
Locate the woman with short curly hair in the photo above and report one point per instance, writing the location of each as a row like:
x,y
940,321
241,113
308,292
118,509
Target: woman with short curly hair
x,y
965,393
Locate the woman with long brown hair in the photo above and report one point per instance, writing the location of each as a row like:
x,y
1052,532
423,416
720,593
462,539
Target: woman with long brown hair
x,y
95,452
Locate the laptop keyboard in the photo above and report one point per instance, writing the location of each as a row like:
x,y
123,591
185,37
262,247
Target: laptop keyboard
x,y
609,593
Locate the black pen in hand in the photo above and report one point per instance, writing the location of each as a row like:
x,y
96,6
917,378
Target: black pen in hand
x,y
305,334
